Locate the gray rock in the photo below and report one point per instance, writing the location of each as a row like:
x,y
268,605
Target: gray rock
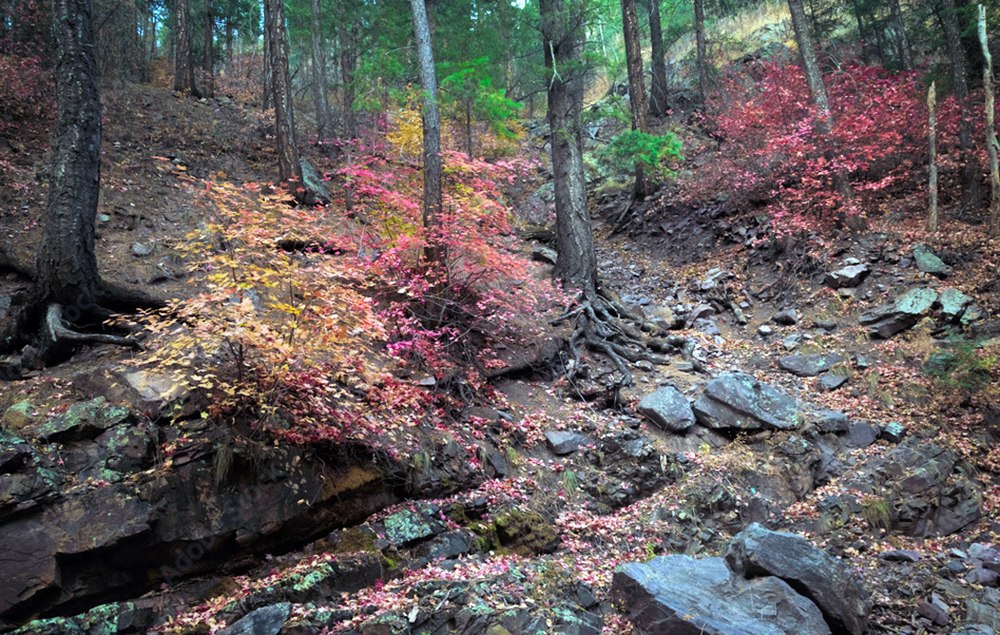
x,y
737,400
680,595
987,554
141,250
266,620
793,341
982,577
765,330
809,365
827,324
565,442
831,381
849,276
317,192
828,582
893,432
953,303
928,262
900,555
860,434
979,613
20,415
832,421
668,408
906,311
544,254
934,613
788,317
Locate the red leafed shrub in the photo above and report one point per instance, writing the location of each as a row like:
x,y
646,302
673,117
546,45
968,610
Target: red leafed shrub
x,y
25,92
773,156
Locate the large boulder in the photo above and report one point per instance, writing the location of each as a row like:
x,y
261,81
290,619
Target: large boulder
x,y
849,276
680,595
738,400
887,320
668,408
829,582
928,262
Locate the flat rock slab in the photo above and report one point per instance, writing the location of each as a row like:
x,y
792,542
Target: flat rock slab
x,y
668,408
680,595
563,442
829,582
928,262
809,365
849,276
738,400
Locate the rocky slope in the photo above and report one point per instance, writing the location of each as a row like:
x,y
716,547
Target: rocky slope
x,y
832,392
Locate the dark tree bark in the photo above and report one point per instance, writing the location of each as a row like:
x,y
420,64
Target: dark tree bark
x,y
971,196
644,185
347,33
324,121
68,287
432,130
209,49
289,170
267,100
183,65
658,88
902,41
807,50
562,35
701,54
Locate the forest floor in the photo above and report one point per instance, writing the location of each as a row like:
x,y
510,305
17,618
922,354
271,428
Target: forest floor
x,y
702,255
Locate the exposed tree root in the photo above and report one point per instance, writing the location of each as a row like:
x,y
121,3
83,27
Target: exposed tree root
x,y
601,325
56,330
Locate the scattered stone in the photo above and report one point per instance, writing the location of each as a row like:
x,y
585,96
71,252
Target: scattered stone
x,y
788,317
737,400
408,526
849,276
979,613
982,577
987,554
809,365
828,582
793,341
832,421
141,250
860,434
20,415
827,324
928,262
266,620
668,408
677,594
953,303
900,555
886,321
832,381
934,613
563,442
544,254
765,330
893,432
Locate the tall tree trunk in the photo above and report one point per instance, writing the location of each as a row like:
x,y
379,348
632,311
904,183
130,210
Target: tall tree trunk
x,y
348,66
432,132
971,197
289,169
700,61
183,65
324,121
899,30
209,49
991,135
562,33
68,286
644,185
823,126
267,81
932,193
658,88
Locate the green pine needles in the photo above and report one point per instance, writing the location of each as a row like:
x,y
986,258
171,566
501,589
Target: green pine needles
x,y
632,149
